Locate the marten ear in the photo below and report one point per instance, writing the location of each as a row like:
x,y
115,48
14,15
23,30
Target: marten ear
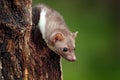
x,y
57,37
75,34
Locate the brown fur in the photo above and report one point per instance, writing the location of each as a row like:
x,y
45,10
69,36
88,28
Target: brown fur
x,y
57,34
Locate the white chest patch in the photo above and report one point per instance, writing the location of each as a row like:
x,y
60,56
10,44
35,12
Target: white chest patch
x,y
42,22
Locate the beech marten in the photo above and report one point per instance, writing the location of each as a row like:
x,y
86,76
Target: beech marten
x,y
54,31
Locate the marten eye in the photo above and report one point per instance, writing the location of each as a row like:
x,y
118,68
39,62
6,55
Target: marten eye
x,y
65,49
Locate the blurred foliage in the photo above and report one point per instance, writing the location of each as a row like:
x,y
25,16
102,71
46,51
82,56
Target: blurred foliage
x,y
98,40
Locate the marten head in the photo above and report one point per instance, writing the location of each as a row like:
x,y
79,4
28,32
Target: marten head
x,y
64,45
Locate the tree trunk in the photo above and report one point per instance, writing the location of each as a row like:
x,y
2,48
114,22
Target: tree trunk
x,y
23,53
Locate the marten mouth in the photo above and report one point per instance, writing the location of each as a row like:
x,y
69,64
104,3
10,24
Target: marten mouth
x,y
69,58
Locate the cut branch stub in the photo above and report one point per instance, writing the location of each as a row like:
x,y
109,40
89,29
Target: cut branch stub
x,y
23,53
15,26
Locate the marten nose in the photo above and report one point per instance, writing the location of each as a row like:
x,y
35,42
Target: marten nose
x,y
73,59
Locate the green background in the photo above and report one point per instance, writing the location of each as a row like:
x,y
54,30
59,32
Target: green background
x,y
98,40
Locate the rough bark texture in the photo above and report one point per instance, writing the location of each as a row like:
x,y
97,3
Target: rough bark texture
x,y
23,53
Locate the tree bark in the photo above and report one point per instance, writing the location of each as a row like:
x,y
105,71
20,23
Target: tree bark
x,y
23,53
